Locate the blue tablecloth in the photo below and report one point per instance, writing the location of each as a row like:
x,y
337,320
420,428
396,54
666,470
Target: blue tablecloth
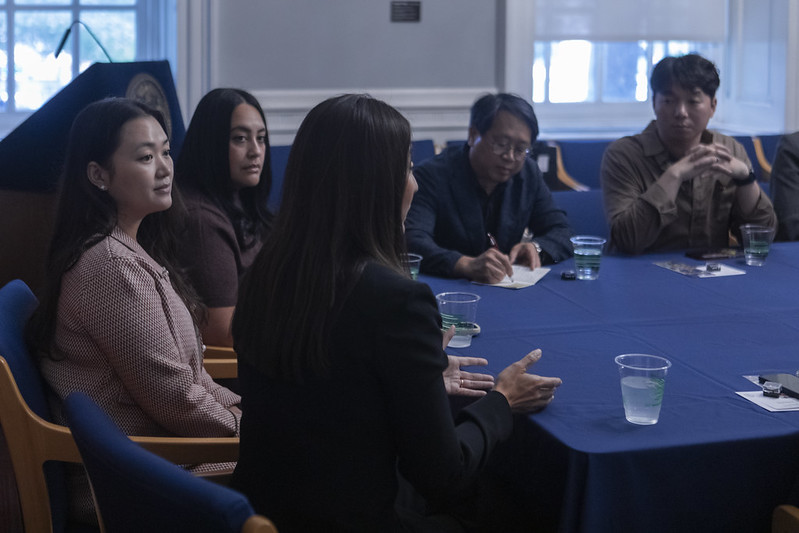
x,y
714,461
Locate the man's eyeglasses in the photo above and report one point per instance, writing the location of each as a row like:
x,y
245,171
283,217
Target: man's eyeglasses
x,y
518,153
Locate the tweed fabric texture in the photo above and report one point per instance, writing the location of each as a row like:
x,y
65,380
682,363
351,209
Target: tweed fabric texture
x,y
125,338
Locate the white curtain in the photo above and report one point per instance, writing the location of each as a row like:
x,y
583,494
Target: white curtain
x,y
630,20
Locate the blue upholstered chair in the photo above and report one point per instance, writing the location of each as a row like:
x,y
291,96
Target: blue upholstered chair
x,y
136,490
457,142
37,446
761,151
585,211
34,443
545,154
766,151
769,143
749,145
421,150
279,157
580,161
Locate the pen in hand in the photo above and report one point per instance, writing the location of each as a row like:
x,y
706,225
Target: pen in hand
x,y
495,246
492,240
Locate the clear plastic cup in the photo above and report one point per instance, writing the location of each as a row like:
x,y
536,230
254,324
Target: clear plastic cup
x,y
757,241
458,309
643,378
412,263
587,255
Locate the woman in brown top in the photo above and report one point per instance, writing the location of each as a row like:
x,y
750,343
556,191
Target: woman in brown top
x,y
224,169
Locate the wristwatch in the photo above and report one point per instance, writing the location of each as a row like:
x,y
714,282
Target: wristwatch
x,y
745,181
537,247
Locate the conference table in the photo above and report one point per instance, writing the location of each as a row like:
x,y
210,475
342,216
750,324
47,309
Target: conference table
x,y
715,461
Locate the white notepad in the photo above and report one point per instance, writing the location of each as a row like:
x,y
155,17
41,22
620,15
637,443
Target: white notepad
x,y
522,277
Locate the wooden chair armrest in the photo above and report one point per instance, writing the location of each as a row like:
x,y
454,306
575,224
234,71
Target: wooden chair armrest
x,y
190,450
258,524
219,352
222,368
785,519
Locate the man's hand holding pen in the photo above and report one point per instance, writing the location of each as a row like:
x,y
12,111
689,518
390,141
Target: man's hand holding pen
x,y
489,267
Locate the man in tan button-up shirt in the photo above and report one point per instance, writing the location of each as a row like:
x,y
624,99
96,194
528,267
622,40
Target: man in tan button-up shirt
x,y
678,185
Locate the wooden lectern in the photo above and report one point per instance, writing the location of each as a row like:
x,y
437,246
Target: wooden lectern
x,y
31,157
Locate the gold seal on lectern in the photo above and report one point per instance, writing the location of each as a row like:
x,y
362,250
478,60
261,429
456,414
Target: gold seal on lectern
x,y
146,89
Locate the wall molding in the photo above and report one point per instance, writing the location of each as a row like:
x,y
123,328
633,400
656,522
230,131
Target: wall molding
x,y
194,52
518,44
440,114
792,70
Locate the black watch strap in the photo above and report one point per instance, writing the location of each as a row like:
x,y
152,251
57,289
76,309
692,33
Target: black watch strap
x,y
747,180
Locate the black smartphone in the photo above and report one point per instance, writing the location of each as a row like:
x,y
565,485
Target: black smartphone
x,y
789,382
722,253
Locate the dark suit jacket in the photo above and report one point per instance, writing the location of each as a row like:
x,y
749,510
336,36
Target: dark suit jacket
x,y
324,455
785,187
445,221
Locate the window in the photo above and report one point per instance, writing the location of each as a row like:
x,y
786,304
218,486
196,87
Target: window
x,y
572,71
30,32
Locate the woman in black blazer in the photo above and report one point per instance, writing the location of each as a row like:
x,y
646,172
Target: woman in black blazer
x,y
340,351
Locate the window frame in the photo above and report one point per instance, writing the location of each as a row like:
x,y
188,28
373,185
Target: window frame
x,y
778,112
606,117
578,119
600,53
156,22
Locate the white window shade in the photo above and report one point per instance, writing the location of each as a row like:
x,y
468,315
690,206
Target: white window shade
x,y
630,20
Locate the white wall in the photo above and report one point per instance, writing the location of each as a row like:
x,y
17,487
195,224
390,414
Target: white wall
x,y
312,44
754,84
759,82
294,53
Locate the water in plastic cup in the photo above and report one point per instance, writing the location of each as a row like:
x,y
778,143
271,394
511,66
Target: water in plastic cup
x,y
587,255
643,378
757,240
412,262
458,309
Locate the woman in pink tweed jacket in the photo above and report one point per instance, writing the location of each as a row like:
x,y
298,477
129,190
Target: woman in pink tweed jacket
x,y
116,321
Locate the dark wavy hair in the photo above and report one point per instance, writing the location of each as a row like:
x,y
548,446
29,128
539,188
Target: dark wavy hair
x,y
204,165
689,71
87,215
341,207
485,109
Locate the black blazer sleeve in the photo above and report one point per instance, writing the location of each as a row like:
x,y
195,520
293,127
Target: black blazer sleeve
x,y
785,187
435,455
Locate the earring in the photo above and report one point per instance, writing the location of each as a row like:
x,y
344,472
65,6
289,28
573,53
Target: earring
x,y
103,187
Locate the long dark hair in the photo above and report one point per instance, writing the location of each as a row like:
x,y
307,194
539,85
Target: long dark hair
x,y
341,207
86,214
204,165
